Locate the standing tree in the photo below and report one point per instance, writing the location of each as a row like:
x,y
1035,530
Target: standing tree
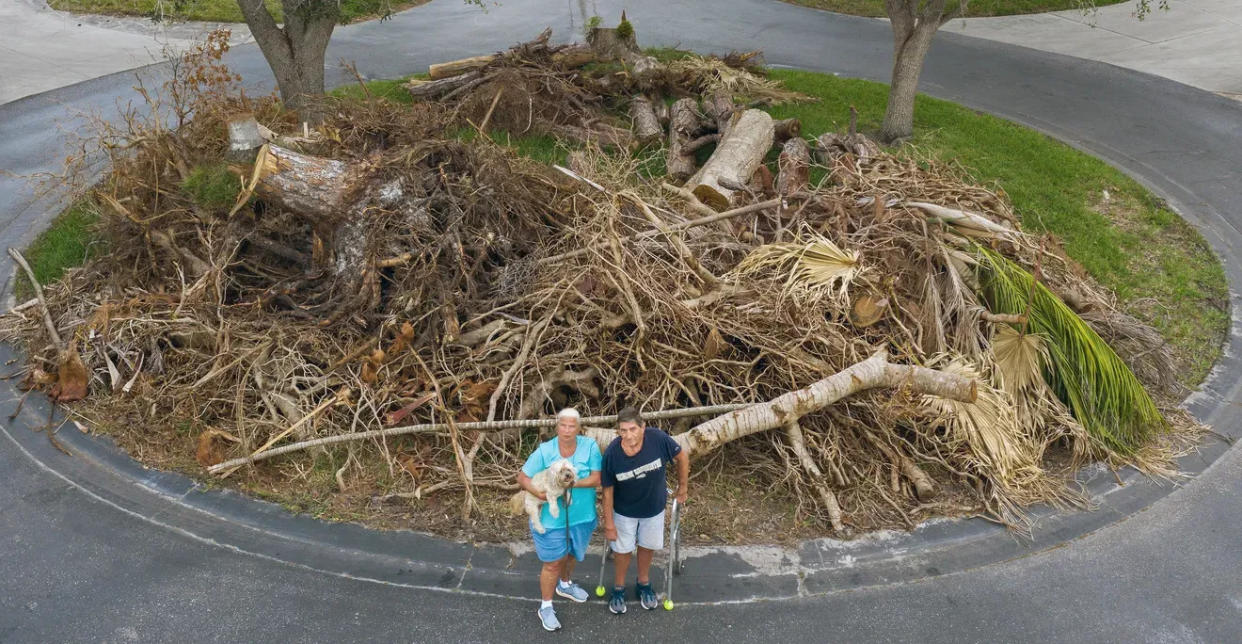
x,y
914,24
295,51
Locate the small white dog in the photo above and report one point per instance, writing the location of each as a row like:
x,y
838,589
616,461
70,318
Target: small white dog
x,y
553,482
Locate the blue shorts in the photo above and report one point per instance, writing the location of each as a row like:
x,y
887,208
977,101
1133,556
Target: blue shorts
x,y
551,545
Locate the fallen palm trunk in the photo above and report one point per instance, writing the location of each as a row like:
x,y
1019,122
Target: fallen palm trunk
x,y
868,374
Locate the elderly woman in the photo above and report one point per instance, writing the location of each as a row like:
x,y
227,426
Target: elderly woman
x,y
558,548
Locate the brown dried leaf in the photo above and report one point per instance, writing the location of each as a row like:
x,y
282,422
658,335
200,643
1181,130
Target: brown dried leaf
x,y
713,345
71,377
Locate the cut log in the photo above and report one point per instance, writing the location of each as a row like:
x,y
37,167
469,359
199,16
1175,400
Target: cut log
x,y
683,124
312,186
441,71
830,146
646,125
873,372
574,56
661,111
718,108
794,166
244,137
739,152
787,129
432,89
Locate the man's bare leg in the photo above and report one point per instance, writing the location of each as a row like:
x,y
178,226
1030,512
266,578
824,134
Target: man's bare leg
x,y
644,565
621,565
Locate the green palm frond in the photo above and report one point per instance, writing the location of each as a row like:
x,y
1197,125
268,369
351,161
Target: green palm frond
x,y
1087,375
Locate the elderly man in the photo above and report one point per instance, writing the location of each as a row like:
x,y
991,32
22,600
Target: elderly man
x,y
558,548
634,496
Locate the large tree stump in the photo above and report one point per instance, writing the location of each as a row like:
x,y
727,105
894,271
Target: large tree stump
x,y
334,198
739,152
683,125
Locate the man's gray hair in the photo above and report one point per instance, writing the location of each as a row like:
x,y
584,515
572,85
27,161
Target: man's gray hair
x,y
630,415
569,412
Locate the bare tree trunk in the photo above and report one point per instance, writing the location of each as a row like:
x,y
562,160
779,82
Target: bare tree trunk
x,y
295,52
913,31
873,372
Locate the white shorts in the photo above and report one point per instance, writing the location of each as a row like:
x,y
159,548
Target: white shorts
x,y
649,533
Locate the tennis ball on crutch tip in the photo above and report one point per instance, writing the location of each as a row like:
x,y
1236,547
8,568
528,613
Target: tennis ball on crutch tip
x,y
668,604
599,591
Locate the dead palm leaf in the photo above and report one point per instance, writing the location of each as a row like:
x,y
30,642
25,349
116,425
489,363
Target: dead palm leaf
x,y
812,268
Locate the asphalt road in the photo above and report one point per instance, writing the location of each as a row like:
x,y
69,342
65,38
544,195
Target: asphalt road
x,y
77,567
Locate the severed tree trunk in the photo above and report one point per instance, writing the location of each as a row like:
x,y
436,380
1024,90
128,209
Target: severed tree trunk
x,y
683,124
295,51
787,129
574,56
431,89
440,71
719,108
739,152
873,372
646,125
914,26
794,166
334,197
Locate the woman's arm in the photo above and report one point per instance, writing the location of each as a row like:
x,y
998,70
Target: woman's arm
x,y
529,486
590,480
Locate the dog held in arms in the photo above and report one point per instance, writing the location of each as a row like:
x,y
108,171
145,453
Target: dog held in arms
x,y
553,482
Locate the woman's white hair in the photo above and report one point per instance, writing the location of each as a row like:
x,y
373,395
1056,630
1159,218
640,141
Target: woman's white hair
x,y
569,412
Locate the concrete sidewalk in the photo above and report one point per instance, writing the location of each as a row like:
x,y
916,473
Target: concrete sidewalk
x,y
1196,42
43,49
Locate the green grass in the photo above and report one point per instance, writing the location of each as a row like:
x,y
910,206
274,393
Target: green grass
x,y
1160,267
66,243
976,8
212,186
218,10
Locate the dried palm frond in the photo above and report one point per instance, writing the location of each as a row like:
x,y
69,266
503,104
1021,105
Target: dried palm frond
x,y
1095,384
999,447
814,268
1019,358
714,74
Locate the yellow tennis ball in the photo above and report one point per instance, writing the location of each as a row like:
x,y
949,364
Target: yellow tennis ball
x,y
668,604
599,591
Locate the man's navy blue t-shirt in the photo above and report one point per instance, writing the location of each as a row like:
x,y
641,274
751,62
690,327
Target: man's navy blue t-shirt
x,y
638,481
